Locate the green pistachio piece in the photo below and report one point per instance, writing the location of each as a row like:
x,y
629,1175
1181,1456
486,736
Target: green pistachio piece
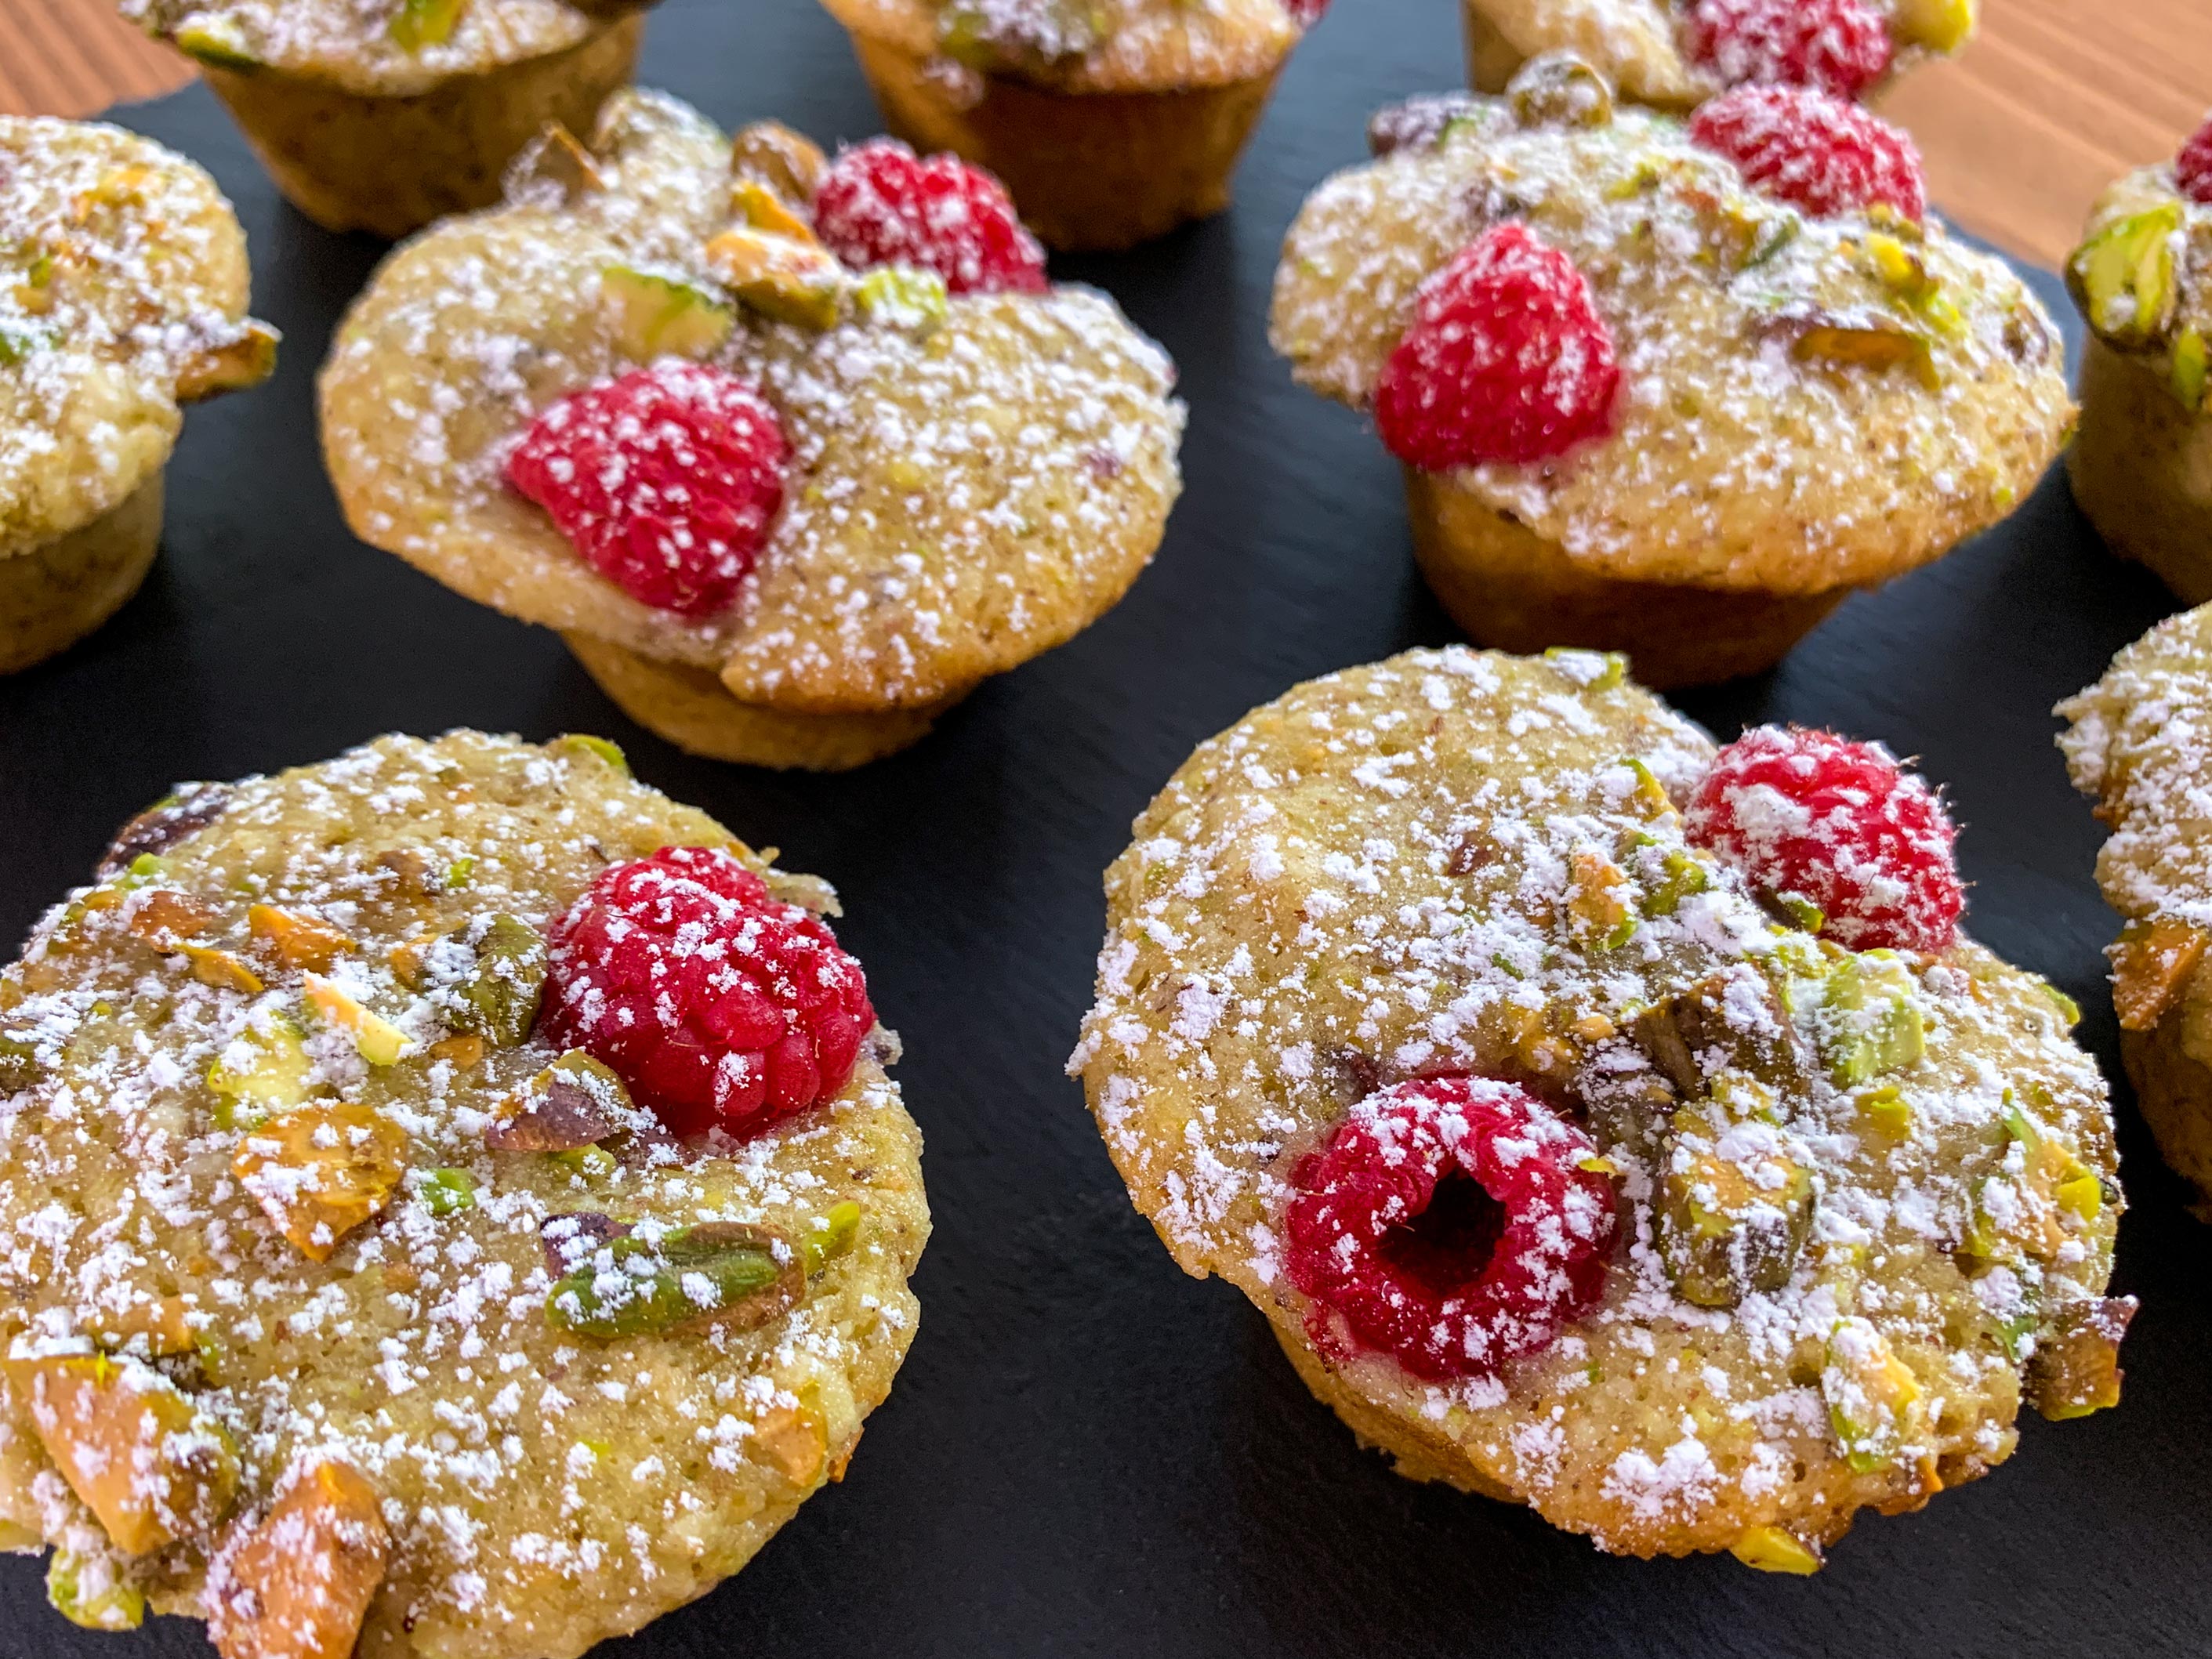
x,y
713,1273
830,1236
898,296
1873,1398
1594,670
457,874
985,38
592,1163
447,1192
1887,1112
574,746
2123,277
217,42
498,998
420,23
657,315
1557,89
88,1592
1684,877
272,1077
1729,1226
570,1107
1870,1022
1859,339
2187,377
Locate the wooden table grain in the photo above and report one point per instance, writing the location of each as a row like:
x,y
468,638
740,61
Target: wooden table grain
x,y
2054,100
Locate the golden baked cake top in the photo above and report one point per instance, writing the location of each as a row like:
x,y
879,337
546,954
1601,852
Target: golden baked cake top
x,y
1854,1196
966,478
123,294
1808,398
377,48
1676,53
294,1160
1092,46
2142,273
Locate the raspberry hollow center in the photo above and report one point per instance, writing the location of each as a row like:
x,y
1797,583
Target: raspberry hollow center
x,y
1448,1246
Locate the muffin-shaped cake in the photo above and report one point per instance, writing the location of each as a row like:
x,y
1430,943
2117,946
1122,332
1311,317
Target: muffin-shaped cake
x,y
1603,1122
382,115
1111,121
452,1200
2141,463
2138,744
123,293
792,451
1671,392
1674,54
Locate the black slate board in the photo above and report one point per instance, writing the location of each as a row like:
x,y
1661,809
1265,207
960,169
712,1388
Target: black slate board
x,y
1087,1452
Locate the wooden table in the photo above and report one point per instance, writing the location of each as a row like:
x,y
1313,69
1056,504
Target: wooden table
x,y
2056,98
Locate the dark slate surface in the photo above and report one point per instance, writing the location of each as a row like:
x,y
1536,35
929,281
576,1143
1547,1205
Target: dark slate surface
x,y
1088,1453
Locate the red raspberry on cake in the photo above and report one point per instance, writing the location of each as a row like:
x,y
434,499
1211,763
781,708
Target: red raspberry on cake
x,y
1811,817
1839,46
1506,359
881,205
1453,1224
2192,168
1819,153
719,1005
667,481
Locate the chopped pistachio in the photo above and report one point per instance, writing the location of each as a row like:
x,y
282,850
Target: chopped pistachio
x,y
420,23
498,998
1598,905
274,1078
594,1161
296,939
1873,1398
557,161
790,281
832,1236
715,1273
18,341
576,744
148,1463
447,1192
19,1061
795,1441
221,970
762,207
2075,1368
576,1102
2069,1010
786,162
1558,88
217,41
1887,1112
301,1582
1594,670
2123,277
234,365
1771,1549
376,1039
1870,1023
89,1592
322,1169
2188,374
897,296
658,315
1861,340
1728,1227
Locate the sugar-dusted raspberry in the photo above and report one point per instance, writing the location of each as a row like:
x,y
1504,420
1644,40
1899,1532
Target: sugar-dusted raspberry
x,y
1840,46
1840,826
881,205
719,1005
1822,154
1506,359
667,481
2193,166
1450,1222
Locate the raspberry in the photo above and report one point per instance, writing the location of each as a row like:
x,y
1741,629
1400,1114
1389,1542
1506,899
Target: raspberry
x,y
1305,13
1839,46
2192,168
1820,153
1506,359
719,1005
1839,824
667,481
881,205
1451,1224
